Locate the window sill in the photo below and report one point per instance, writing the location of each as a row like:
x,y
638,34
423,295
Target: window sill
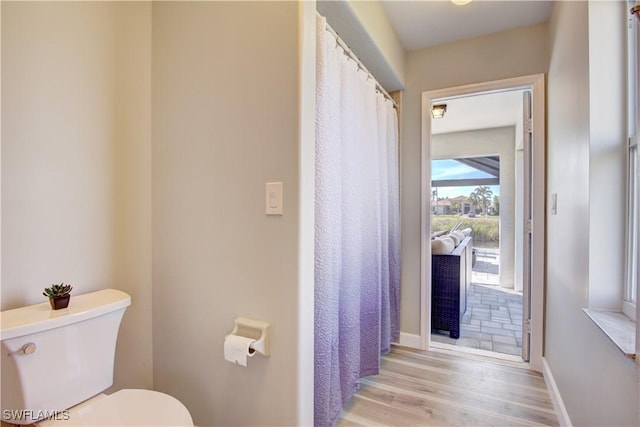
x,y
618,327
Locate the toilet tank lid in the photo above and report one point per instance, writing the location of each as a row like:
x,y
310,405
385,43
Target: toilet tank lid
x,y
40,317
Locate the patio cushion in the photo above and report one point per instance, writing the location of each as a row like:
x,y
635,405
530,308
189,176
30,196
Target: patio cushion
x,y
460,235
442,245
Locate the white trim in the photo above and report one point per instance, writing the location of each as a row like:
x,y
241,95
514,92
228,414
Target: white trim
x,y
539,208
536,83
637,333
410,340
556,399
618,327
306,214
425,224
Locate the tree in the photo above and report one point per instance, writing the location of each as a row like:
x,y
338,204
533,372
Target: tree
x,y
456,206
496,204
484,195
434,193
474,200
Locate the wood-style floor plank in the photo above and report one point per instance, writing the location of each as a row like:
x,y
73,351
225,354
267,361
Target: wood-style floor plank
x,y
421,388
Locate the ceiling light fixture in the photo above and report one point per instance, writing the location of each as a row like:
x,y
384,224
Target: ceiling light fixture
x,y
437,111
460,2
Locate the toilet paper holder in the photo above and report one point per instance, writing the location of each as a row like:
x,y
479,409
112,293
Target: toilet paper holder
x,y
256,330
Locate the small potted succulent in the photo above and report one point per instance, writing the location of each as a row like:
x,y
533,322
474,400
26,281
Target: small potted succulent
x,y
59,295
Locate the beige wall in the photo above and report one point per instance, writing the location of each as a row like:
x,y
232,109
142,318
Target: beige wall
x,y
376,22
496,56
228,115
598,385
366,29
225,121
607,152
76,171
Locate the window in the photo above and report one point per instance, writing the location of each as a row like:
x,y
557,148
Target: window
x,y
633,174
614,324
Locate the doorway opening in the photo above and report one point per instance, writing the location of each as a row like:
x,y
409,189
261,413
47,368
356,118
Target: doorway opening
x,y
483,171
467,201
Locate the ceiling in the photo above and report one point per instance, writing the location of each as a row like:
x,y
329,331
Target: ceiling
x,y
490,110
420,24
425,23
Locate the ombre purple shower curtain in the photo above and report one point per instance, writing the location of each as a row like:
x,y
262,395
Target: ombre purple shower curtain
x,y
357,230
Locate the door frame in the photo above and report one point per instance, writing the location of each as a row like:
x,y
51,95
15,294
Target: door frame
x,y
536,83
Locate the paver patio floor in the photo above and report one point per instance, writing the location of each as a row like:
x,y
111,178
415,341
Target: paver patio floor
x,y
493,320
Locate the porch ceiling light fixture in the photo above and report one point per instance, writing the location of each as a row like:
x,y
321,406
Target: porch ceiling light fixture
x,y
437,111
460,2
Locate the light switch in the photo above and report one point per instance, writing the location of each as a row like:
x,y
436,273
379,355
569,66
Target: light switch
x,y
554,204
273,198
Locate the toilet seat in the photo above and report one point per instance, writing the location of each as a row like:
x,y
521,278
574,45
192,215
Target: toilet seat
x,y
128,407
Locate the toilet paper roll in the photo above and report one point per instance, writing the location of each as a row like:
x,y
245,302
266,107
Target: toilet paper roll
x,y
236,349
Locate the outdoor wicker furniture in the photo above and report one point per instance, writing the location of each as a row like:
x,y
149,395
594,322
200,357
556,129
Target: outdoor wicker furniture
x,y
450,280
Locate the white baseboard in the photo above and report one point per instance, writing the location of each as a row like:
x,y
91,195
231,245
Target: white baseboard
x,y
410,340
558,404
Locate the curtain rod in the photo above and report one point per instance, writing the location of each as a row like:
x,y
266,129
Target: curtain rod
x,y
357,60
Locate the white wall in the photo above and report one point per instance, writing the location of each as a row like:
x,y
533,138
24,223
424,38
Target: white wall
x,y
226,119
598,385
76,171
489,142
496,56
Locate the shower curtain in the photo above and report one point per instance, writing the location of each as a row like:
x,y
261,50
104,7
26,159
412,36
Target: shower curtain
x,y
357,231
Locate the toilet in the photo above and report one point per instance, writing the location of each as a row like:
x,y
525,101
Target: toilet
x,y
56,365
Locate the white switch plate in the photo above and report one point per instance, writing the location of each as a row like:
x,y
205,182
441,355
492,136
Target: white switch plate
x,y
273,198
554,204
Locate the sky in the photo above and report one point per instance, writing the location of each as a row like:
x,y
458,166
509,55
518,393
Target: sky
x,y
451,169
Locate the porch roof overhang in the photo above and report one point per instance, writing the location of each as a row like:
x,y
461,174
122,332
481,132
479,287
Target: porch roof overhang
x,y
488,164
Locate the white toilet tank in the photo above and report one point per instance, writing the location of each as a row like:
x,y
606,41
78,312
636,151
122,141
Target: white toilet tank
x,y
53,360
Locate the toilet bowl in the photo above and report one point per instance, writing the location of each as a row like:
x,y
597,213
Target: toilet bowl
x,y
128,407
56,366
